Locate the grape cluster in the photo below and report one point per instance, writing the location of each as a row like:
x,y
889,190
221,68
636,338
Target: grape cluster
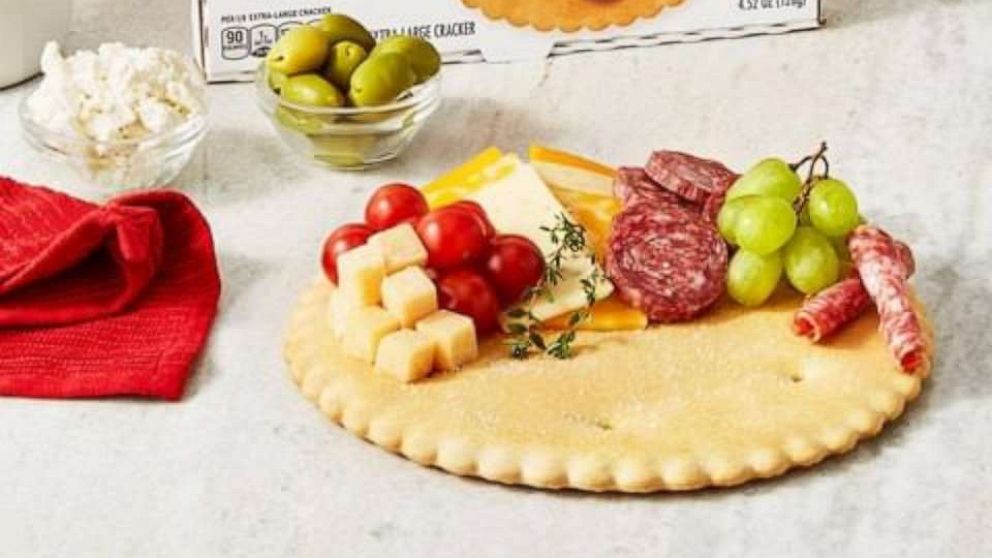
x,y
784,225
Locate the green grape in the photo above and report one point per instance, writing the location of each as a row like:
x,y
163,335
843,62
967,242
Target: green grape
x,y
752,278
811,264
770,177
727,218
764,224
833,209
840,247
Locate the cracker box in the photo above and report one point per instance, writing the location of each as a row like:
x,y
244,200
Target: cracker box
x,y
232,36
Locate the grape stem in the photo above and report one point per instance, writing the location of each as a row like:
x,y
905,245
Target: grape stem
x,y
811,176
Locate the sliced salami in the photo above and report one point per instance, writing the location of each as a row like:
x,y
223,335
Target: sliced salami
x,y
826,312
714,203
693,178
879,261
666,262
632,186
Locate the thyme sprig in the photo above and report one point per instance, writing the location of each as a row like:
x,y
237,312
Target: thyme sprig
x,y
570,243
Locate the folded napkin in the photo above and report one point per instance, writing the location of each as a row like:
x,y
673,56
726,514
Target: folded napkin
x,y
102,300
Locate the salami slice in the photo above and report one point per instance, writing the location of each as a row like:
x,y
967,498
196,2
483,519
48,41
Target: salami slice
x,y
714,203
632,186
693,178
826,312
666,262
879,261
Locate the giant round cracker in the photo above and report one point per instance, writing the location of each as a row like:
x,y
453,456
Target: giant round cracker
x,y
719,401
570,15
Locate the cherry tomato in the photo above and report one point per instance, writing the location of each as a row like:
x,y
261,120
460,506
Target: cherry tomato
x,y
344,238
513,265
453,237
477,210
393,204
467,292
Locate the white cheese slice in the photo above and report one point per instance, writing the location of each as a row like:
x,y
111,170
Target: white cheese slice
x,y
517,201
573,178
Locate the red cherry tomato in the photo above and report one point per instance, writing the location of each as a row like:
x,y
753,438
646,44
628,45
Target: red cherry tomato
x,y
513,265
477,210
453,237
467,292
393,204
344,238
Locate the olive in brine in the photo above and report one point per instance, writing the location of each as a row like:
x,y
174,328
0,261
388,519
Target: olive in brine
x,y
345,57
424,58
301,49
311,90
340,27
276,80
381,79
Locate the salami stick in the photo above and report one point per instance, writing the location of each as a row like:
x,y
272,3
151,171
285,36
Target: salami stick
x,y
829,310
879,261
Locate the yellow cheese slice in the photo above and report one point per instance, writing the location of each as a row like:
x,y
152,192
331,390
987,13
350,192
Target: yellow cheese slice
x,y
609,314
563,177
544,154
462,181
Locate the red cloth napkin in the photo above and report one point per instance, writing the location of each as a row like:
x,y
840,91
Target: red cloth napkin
x,y
102,300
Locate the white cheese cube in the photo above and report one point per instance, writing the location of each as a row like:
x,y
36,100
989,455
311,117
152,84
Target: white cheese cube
x,y
366,328
409,295
360,274
455,338
406,355
339,307
400,247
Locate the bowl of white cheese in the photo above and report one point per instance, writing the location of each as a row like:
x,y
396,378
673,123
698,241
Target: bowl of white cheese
x,y
125,118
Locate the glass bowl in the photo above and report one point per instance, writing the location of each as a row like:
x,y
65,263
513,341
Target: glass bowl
x,y
349,138
116,166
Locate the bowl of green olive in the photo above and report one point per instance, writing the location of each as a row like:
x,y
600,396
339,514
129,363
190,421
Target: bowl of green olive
x,y
342,99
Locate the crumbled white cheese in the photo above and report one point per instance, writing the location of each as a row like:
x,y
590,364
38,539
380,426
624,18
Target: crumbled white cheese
x,y
115,92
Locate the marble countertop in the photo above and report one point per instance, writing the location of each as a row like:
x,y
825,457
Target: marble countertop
x,y
245,466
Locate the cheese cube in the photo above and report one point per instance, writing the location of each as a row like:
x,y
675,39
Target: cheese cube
x,y
339,307
406,355
455,338
360,274
409,295
366,328
400,247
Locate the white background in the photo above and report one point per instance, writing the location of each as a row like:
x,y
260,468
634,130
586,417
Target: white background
x,y
244,466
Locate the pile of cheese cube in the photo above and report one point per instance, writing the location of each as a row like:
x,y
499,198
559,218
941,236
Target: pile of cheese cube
x,y
385,310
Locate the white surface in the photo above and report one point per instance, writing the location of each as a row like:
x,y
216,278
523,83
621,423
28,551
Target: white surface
x,y
246,467
25,26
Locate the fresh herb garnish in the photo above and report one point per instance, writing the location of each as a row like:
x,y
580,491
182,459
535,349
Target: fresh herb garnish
x,y
570,243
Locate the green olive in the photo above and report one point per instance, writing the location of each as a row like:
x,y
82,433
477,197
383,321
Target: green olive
x,y
380,79
301,49
345,57
343,28
344,151
299,121
311,90
276,79
424,58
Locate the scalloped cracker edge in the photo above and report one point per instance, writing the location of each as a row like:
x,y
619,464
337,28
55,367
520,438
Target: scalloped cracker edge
x,y
571,15
538,423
